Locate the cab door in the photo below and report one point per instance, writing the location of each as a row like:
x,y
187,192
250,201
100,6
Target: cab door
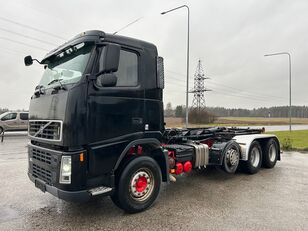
x,y
117,111
10,121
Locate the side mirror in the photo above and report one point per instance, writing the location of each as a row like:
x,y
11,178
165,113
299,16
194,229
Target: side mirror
x,y
107,80
109,61
28,60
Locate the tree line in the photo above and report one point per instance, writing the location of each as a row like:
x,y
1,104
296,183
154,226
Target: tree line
x,y
277,111
2,110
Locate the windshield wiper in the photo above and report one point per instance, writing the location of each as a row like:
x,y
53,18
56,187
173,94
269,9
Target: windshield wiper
x,y
57,87
54,81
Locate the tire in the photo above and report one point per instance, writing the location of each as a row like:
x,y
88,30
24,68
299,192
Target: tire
x,y
1,130
138,185
231,158
270,154
115,200
253,164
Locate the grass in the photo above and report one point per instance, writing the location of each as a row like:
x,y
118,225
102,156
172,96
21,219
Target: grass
x,y
237,121
259,120
295,140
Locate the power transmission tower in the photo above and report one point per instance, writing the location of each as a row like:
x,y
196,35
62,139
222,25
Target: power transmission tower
x,y
199,88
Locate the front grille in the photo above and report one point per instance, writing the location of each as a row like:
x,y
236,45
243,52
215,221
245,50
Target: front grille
x,y
46,129
41,155
41,173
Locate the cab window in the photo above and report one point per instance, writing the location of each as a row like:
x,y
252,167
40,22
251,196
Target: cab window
x,y
127,74
10,116
24,116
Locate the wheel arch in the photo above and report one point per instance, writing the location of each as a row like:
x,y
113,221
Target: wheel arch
x,y
245,142
153,149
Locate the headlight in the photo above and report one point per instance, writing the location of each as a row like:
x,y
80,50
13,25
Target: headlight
x,y
65,170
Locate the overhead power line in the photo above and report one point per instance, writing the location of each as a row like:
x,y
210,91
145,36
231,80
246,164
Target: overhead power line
x,y
239,96
136,20
177,73
22,43
219,90
31,28
257,96
252,93
28,37
240,93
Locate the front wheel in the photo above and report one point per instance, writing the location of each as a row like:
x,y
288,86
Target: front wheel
x,y
253,164
138,185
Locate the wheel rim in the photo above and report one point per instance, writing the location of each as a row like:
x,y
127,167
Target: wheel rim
x,y
232,157
272,153
141,184
255,157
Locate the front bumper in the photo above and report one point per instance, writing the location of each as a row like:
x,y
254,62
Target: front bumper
x,y
73,196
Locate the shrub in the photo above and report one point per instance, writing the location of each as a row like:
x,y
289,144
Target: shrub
x,y
197,116
287,144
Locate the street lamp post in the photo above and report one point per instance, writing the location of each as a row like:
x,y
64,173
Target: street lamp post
x,y
290,102
187,59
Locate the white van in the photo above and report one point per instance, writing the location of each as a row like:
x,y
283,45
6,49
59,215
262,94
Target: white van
x,y
14,121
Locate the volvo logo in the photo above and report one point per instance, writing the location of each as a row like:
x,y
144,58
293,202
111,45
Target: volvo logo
x,y
40,131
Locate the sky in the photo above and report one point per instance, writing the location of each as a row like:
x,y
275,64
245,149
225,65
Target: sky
x,y
230,37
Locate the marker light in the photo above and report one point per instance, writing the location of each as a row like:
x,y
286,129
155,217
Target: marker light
x,y
81,157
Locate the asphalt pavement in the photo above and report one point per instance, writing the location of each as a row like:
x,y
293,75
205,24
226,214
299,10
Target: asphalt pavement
x,y
273,199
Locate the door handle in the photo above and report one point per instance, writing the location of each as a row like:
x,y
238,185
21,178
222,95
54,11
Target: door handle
x,y
137,121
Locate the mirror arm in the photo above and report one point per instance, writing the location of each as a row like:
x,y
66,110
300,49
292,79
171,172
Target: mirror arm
x,y
99,73
103,72
37,61
91,76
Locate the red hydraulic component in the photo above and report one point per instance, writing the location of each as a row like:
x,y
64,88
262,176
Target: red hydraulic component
x,y
187,166
131,150
178,168
139,150
171,154
209,142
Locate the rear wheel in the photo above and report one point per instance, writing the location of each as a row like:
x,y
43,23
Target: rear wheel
x,y
231,158
1,130
270,153
138,185
253,164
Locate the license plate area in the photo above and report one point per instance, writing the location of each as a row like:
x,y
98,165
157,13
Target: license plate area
x,y
41,185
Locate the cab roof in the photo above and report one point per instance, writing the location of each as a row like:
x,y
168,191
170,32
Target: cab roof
x,y
97,36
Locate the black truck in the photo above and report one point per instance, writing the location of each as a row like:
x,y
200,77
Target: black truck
x,y
96,126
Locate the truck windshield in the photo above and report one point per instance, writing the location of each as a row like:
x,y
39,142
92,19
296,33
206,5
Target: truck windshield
x,y
66,67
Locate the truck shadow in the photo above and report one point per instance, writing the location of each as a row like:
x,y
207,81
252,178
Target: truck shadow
x,y
210,188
